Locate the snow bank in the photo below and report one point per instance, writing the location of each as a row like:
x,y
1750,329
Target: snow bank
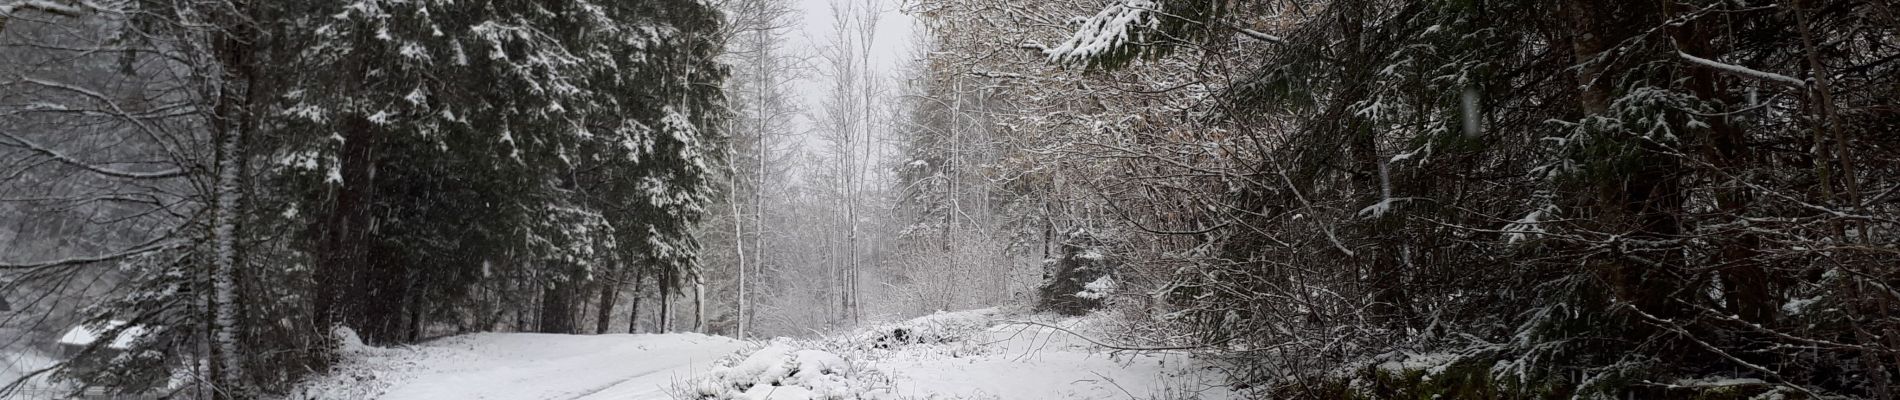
x,y
783,372
1051,359
984,354
941,327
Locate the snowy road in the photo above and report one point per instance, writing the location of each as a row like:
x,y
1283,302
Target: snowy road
x,y
976,354
523,366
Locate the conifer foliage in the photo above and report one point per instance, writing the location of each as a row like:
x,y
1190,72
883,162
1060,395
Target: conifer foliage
x,y
406,169
1569,197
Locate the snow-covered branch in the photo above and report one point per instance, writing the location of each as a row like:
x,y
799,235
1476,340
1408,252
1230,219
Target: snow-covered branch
x,y
62,158
161,243
50,7
1744,71
1258,35
1108,30
150,132
9,10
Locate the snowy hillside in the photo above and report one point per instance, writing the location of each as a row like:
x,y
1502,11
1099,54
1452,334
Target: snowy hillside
x,y
978,354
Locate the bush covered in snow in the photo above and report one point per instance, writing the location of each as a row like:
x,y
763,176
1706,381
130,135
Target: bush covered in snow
x,y
783,370
362,371
941,327
995,353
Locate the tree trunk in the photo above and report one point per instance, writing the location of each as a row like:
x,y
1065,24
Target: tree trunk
x,y
738,244
1381,275
233,108
1745,282
524,312
609,294
344,275
699,306
557,309
666,310
633,304
415,314
225,366
1644,201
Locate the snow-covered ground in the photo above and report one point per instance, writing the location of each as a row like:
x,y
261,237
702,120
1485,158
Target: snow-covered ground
x,y
978,354
522,366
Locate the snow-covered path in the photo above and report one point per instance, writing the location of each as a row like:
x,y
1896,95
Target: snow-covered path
x,y
978,354
525,366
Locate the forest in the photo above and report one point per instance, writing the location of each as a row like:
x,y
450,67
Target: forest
x,y
834,199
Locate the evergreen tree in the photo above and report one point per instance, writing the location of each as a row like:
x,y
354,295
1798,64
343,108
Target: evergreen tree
x,y
1573,147
394,167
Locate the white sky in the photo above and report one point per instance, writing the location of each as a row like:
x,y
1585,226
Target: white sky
x,y
893,34
889,52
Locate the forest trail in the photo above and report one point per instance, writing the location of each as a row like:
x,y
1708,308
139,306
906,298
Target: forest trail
x,y
1001,353
525,366
978,354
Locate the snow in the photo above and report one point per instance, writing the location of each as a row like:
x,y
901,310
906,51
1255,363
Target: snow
x,y
1799,305
814,362
1097,289
781,371
982,354
413,51
1262,36
1410,154
8,10
519,366
764,364
1528,226
1091,254
1718,382
1020,361
1744,71
381,117
85,335
417,97
1105,32
986,354
1431,363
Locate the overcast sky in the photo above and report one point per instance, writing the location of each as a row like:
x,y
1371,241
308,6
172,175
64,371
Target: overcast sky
x,y
893,37
891,48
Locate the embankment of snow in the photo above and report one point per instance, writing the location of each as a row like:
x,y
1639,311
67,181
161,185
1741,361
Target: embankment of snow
x,y
978,354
